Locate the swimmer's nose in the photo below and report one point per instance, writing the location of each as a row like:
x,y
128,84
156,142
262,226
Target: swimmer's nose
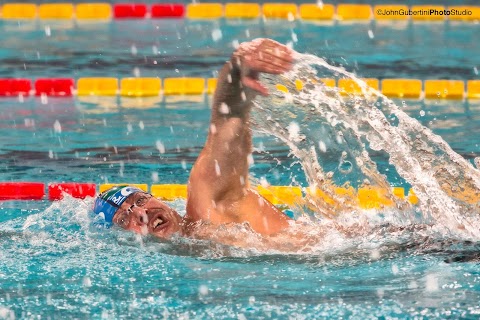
x,y
143,218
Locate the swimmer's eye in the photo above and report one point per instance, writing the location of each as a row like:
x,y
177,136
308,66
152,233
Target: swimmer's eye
x,y
140,202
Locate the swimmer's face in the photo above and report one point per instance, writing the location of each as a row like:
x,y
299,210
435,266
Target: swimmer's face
x,y
142,213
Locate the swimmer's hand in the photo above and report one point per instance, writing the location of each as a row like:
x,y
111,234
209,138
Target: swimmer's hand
x,y
261,55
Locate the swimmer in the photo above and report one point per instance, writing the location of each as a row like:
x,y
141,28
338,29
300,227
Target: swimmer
x,y
219,192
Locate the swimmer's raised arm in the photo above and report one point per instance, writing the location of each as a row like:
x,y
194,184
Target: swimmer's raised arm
x,y
219,186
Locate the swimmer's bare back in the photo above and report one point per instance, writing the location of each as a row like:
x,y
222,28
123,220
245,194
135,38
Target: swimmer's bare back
x,y
219,192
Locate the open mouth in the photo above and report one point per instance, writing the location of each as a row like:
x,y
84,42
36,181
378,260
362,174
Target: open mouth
x,y
158,222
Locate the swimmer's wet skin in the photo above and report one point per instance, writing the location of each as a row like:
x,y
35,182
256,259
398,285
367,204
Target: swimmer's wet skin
x,y
218,191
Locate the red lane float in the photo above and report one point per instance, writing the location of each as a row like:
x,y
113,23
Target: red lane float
x,y
59,87
15,87
76,190
22,190
129,11
168,10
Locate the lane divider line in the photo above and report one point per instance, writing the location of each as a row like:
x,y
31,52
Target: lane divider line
x,y
212,10
130,11
148,87
366,198
22,190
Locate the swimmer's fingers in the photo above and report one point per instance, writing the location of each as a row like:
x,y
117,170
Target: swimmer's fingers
x,y
266,67
279,55
263,62
262,55
270,62
255,85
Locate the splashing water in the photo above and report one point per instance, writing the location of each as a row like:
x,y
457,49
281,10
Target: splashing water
x,y
349,127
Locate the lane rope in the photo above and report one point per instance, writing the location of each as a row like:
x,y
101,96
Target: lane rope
x,y
367,198
151,87
267,11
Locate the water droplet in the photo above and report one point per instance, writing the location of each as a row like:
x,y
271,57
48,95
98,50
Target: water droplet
x,y
322,146
155,177
370,34
141,125
133,50
224,109
250,160
374,254
293,131
213,129
87,282
129,127
475,70
339,137
380,293
43,98
431,283
395,269
184,164
294,37
235,44
422,113
120,171
160,146
216,35
203,290
57,127
49,299
217,169
48,31
243,96
29,123
136,72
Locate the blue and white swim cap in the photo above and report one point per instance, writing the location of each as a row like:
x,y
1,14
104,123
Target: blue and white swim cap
x,y
108,202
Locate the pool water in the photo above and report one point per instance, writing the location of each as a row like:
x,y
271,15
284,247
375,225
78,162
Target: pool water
x,y
55,263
